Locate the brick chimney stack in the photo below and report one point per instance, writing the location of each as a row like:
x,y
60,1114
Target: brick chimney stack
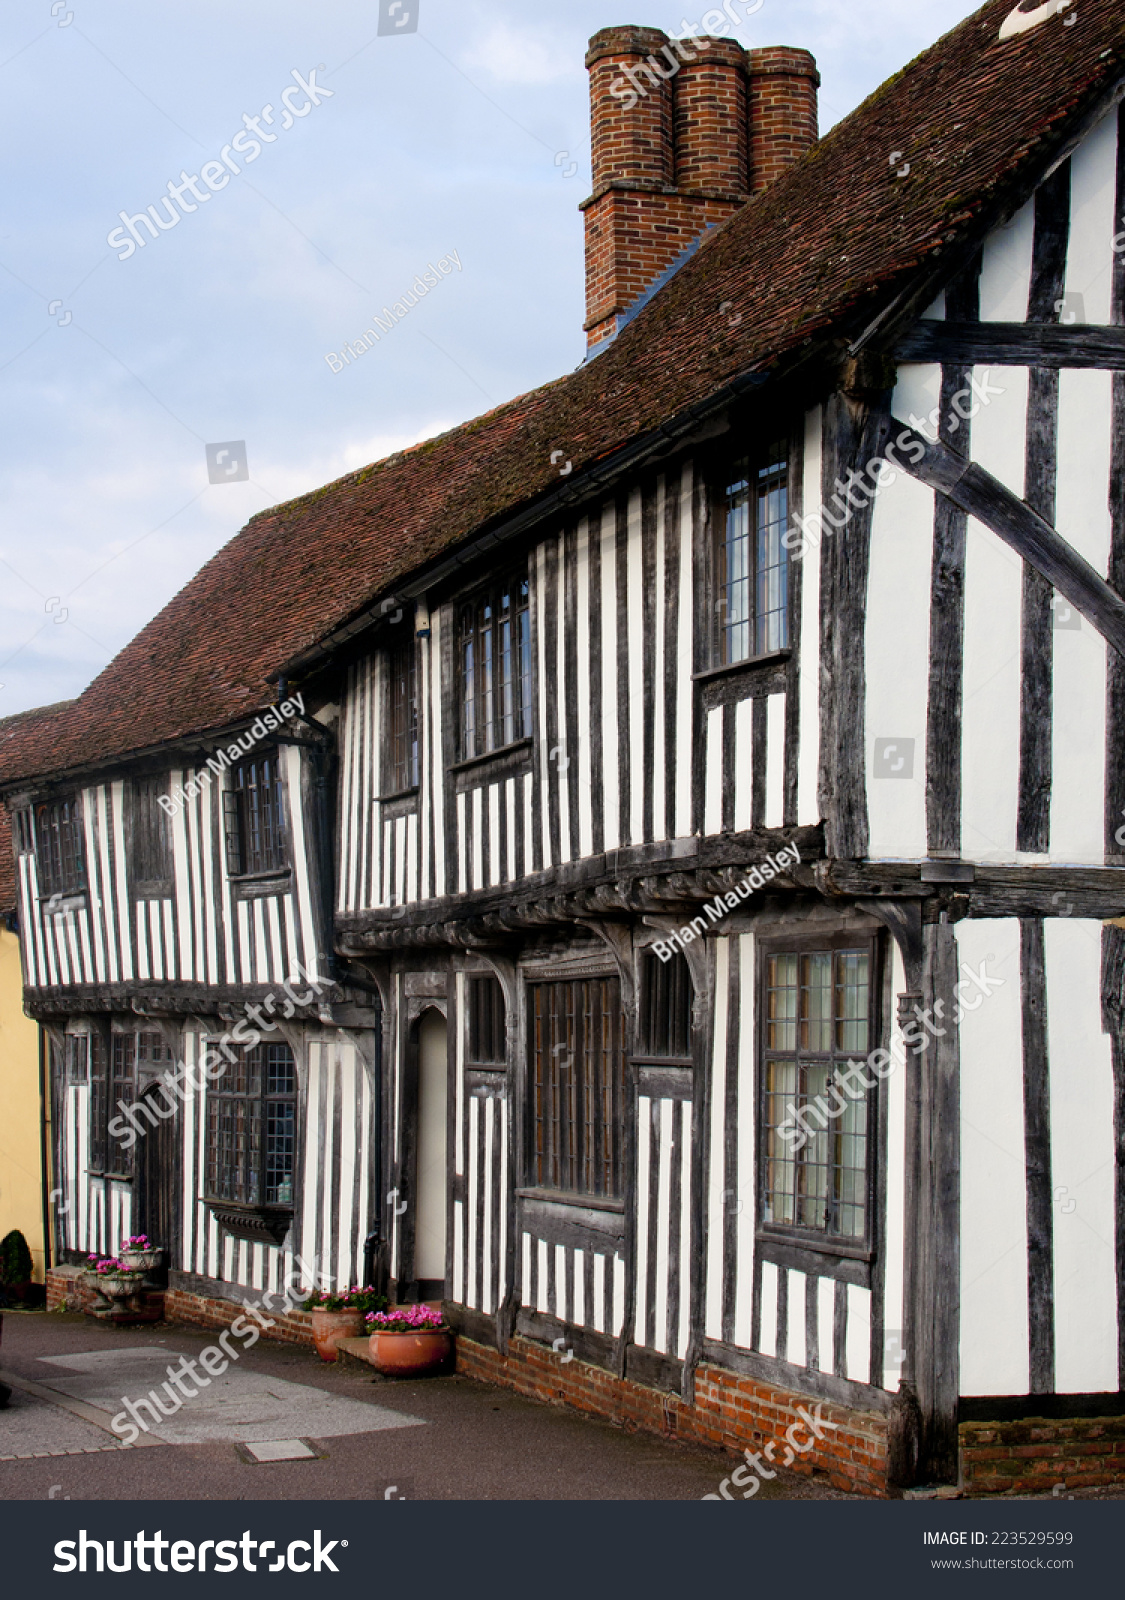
x,y
684,133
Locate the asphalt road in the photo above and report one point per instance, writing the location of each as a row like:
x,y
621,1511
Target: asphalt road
x,y
443,1438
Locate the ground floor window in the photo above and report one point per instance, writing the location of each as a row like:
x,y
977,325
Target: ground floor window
x,y
816,1116
577,1100
252,1129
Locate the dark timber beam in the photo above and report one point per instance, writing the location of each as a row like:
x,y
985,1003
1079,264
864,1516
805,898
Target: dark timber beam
x,y
1013,344
984,497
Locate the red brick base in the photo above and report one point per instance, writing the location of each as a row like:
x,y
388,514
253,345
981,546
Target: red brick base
x,y
1036,1456
730,1411
291,1327
68,1289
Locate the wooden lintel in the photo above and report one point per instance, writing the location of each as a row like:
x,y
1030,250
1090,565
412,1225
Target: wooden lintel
x,y
1014,344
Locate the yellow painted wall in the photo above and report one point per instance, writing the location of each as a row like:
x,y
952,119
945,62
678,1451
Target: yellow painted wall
x,y
21,1193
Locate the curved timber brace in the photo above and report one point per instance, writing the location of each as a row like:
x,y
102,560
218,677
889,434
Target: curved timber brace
x,y
984,497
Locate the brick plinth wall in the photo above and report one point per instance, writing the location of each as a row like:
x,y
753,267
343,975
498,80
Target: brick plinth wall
x,y
292,1327
1035,1455
731,1412
68,1291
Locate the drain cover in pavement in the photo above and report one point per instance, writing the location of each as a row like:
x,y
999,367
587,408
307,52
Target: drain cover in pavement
x,y
281,1450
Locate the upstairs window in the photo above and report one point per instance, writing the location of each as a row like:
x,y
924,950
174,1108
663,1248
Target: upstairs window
x,y
752,564
152,833
667,995
402,720
252,1129
60,847
254,818
487,1032
494,646
818,1019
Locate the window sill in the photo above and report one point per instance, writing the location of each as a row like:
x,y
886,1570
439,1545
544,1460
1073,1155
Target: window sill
x,y
399,795
567,1197
154,888
278,875
774,658
255,1224
472,762
112,1177
814,1245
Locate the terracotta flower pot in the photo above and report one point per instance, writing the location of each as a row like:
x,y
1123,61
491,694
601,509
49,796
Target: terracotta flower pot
x,y
329,1327
411,1355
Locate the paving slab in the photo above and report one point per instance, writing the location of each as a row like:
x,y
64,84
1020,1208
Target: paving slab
x,y
239,1407
31,1426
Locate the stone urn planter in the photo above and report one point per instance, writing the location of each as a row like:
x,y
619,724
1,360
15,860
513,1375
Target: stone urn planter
x,y
115,1287
411,1342
143,1261
329,1327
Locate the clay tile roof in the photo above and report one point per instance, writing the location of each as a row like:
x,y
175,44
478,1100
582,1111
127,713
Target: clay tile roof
x,y
12,730
828,242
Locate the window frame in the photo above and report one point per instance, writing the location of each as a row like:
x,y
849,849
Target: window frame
x,y
482,736
486,1013
718,657
539,1161
151,842
674,971
818,1242
219,1093
53,864
235,819
401,777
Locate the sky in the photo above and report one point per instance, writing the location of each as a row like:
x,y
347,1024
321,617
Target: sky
x,y
465,134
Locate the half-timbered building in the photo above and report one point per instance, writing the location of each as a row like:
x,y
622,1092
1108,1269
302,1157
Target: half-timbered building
x,y
646,867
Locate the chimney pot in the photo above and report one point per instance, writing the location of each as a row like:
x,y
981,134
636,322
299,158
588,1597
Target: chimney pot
x,y
682,133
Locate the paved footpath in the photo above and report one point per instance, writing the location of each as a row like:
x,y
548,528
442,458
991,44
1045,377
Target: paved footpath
x,y
363,1437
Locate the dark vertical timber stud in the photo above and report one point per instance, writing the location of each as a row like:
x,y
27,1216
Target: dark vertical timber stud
x,y
598,688
936,1309
625,710
793,671
552,576
650,532
1048,285
1115,721
673,666
947,606
1037,1137
856,431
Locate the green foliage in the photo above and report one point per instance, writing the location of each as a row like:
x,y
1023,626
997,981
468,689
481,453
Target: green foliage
x,y
15,1259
